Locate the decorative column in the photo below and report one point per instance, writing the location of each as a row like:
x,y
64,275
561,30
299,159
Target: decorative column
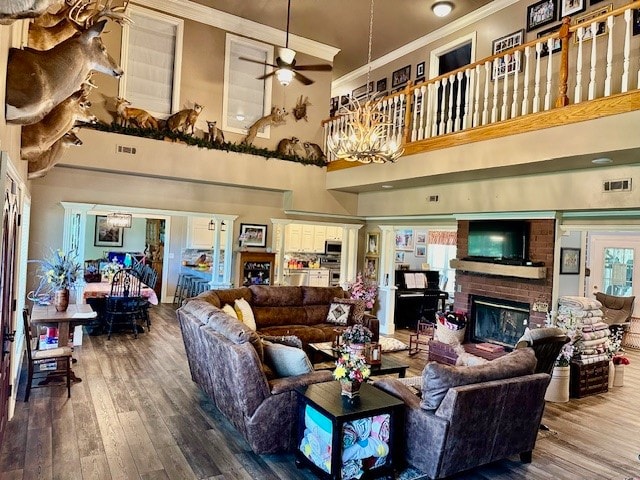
x,y
278,245
386,287
349,260
218,234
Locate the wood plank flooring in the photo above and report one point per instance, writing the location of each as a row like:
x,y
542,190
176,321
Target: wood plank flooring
x,y
138,415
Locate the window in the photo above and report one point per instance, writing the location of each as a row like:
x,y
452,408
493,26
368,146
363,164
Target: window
x,y
441,248
246,99
151,59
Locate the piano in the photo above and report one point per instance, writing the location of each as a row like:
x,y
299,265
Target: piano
x,y
418,294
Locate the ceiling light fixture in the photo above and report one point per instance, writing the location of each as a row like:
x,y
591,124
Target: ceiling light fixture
x,y
284,76
367,136
119,220
442,9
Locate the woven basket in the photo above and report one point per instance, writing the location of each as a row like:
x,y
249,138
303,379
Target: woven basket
x,y
448,336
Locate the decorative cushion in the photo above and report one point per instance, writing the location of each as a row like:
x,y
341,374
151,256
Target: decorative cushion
x,y
338,313
289,340
286,361
357,308
245,314
229,310
437,378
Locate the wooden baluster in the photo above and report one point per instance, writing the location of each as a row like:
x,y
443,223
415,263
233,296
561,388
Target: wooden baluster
x,y
607,80
577,96
442,124
415,126
326,128
430,102
451,102
563,75
536,81
405,107
476,108
516,82
496,81
547,96
525,90
423,103
459,108
594,62
436,119
487,81
505,87
468,101
626,51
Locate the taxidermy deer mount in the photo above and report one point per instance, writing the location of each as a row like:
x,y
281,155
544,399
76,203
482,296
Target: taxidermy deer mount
x,y
275,118
40,165
38,81
11,10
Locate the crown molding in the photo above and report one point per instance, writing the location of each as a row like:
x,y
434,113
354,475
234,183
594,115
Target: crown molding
x,y
241,26
450,28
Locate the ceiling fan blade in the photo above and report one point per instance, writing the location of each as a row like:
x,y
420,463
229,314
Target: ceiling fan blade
x,y
253,60
266,75
302,78
316,68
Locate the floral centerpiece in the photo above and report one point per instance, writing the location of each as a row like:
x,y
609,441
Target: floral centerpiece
x,y
351,370
59,272
572,326
363,289
110,269
356,333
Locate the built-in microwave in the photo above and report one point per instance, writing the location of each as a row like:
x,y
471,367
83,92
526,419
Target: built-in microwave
x,y
332,247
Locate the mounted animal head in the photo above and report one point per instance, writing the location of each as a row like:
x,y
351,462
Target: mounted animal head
x,y
11,10
96,53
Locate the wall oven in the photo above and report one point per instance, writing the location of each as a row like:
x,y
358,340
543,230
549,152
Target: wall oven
x,y
334,277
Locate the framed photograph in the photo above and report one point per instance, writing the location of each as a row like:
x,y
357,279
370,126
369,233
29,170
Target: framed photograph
x,y
107,235
371,268
569,261
421,251
556,45
253,235
373,244
381,85
420,70
541,13
601,27
636,21
399,257
404,239
421,238
571,7
401,76
500,66
359,92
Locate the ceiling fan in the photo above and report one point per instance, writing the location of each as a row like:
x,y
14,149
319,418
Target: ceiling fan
x,y
285,66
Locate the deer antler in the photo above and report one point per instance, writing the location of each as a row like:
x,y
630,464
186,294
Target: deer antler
x,y
86,13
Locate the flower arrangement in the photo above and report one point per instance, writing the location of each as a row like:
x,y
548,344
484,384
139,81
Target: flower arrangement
x,y
362,289
111,268
60,270
352,368
615,343
356,333
572,326
620,360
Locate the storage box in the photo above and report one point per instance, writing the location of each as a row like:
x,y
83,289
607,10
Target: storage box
x,y
442,353
589,379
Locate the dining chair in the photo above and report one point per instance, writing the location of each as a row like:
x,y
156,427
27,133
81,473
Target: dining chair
x,y
38,358
124,302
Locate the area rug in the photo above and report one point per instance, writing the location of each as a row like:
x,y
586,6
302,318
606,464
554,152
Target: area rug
x,y
390,344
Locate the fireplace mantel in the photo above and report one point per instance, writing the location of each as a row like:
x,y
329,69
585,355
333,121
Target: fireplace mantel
x,y
498,269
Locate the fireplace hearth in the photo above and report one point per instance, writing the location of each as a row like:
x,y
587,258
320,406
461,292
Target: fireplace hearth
x,y
498,321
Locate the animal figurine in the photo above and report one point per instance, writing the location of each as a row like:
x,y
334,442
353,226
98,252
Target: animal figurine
x,y
128,116
275,118
43,163
11,10
214,135
184,119
300,110
37,138
38,81
313,151
287,146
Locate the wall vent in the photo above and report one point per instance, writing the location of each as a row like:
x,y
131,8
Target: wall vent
x,y
622,185
124,149
433,198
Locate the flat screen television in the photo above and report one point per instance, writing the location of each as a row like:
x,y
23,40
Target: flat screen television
x,y
492,240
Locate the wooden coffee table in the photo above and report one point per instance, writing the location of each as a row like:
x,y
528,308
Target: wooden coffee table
x,y
323,352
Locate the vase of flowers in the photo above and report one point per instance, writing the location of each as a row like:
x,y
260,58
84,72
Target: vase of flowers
x,y
59,272
558,389
614,346
355,337
362,289
619,361
351,371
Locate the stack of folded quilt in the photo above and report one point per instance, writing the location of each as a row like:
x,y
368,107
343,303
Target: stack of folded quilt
x,y
592,335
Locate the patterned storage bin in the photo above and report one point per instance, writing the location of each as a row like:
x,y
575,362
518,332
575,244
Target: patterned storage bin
x,y
631,338
589,379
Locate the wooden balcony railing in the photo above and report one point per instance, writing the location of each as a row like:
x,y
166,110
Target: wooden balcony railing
x,y
578,64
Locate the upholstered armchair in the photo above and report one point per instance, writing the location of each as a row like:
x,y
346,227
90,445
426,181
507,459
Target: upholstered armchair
x,y
616,310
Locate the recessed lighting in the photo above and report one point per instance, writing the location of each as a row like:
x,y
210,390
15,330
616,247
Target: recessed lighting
x,y
601,161
442,9
386,186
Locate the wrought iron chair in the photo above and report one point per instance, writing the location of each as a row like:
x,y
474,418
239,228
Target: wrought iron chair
x,y
124,301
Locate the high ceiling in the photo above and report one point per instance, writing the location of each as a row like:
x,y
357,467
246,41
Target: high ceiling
x,y
345,23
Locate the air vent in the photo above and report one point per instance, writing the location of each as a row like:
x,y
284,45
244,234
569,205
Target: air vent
x,y
124,149
623,185
433,198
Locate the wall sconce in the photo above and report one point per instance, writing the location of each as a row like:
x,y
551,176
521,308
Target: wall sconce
x,y
119,220
212,225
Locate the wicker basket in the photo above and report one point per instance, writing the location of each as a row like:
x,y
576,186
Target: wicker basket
x,y
448,336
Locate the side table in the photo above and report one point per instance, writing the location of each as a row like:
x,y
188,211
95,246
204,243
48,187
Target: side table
x,y
342,439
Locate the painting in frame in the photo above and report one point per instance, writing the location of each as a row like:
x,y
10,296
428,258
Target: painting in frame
x,y
601,27
541,13
399,257
420,70
107,235
371,268
571,7
401,76
253,235
501,67
421,251
381,85
636,21
373,244
569,261
404,239
556,44
421,238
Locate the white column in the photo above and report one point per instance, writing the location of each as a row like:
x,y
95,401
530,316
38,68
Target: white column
x,y
349,257
386,287
278,243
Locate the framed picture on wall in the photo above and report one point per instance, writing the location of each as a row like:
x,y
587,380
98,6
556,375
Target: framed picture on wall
x,y
569,261
253,235
541,13
401,76
601,27
404,239
421,238
371,268
556,44
636,21
373,244
107,235
421,251
502,67
399,257
571,7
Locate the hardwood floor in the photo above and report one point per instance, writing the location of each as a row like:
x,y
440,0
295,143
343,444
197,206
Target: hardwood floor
x,y
137,414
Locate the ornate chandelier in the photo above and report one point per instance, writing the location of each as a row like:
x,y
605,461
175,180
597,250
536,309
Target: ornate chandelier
x,y
367,136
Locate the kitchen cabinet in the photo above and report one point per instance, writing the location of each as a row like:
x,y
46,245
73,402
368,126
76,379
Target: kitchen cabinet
x,y
318,278
334,233
293,237
255,268
319,236
307,238
199,235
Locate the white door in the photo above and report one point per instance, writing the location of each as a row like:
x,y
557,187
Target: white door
x,y
614,265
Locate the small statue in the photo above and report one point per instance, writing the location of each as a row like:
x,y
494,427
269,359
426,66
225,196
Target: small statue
x,y
275,118
184,119
300,110
214,135
287,146
313,151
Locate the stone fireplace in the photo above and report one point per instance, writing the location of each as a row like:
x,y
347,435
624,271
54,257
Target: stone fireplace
x,y
497,321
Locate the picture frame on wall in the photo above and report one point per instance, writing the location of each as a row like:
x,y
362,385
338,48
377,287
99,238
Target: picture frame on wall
x,y
421,238
381,85
541,13
373,244
107,235
399,257
404,239
571,7
500,66
359,92
569,261
401,76
601,28
556,44
636,21
421,251
253,235
420,70
371,268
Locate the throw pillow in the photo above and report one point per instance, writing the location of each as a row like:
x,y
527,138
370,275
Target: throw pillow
x,y
289,340
229,310
437,378
286,361
338,313
357,308
245,314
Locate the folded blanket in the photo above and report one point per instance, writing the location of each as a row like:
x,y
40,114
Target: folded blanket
x,y
595,327
590,320
592,343
582,303
588,359
579,312
596,334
